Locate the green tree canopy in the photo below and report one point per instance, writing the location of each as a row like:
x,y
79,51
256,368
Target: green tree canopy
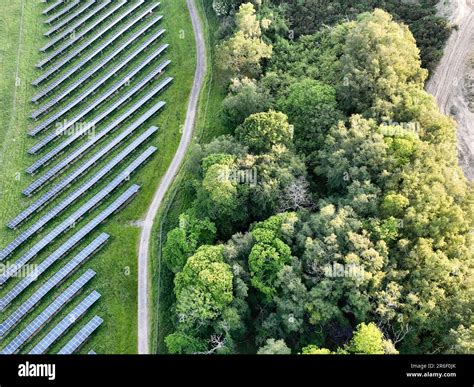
x,y
262,131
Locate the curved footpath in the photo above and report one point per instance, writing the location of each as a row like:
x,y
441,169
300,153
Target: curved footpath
x,y
167,180
447,83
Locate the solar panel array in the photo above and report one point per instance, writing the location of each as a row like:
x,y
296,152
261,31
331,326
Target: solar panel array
x,y
103,114
72,242
71,28
98,100
49,312
73,15
90,27
51,155
65,272
96,84
78,36
71,199
65,10
52,7
81,337
73,86
58,188
70,222
47,263
65,324
74,69
62,62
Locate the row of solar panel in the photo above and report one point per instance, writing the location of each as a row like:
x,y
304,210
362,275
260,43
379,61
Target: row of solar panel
x,y
61,186
72,27
63,11
93,122
81,337
52,7
78,36
72,198
57,26
74,69
125,80
98,82
59,65
70,221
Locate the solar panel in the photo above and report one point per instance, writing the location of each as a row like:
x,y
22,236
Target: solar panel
x,y
51,310
64,226
76,68
66,182
74,26
52,7
73,15
60,167
99,99
77,37
45,265
65,272
103,114
81,337
63,11
66,323
71,199
98,82
75,239
57,66
79,152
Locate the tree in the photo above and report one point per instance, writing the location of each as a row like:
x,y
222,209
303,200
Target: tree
x,y
204,287
274,347
377,76
244,99
461,340
368,339
314,350
246,21
354,152
296,196
268,256
218,195
222,7
241,55
312,108
182,242
262,131
179,343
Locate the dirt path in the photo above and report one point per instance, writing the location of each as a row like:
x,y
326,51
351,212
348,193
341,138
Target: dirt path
x,y
143,264
447,83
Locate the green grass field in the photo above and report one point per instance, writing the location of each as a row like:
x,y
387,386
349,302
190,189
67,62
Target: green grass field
x,y
21,30
180,195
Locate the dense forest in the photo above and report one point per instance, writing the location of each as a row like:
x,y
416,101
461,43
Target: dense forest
x,y
335,218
